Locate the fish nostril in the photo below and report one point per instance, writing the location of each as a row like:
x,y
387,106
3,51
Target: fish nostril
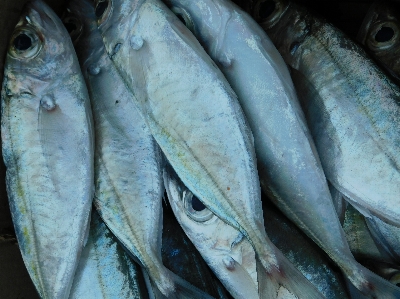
x,y
22,42
385,34
266,9
197,205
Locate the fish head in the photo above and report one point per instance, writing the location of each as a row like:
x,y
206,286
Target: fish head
x,y
226,250
379,32
37,46
80,21
115,19
202,17
286,24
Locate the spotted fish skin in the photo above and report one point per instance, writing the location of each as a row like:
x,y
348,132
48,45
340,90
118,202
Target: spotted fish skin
x,y
47,142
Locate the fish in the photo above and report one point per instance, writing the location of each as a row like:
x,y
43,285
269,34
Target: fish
x,y
339,202
195,117
128,161
352,111
105,269
225,249
181,257
48,145
359,237
303,253
380,34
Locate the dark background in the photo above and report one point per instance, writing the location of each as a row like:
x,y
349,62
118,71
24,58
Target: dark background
x,y
14,279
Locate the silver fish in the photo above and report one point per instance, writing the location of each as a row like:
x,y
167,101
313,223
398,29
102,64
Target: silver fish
x,y
353,112
105,270
380,33
196,119
128,178
47,141
228,253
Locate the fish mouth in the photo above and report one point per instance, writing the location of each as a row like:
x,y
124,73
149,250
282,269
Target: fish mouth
x,y
41,15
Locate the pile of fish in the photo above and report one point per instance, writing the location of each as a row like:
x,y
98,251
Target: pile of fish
x,y
122,100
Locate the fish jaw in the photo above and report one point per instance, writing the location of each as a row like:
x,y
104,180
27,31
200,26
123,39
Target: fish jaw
x,y
228,253
47,122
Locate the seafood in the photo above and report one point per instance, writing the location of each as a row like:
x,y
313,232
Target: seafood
x,y
47,142
380,33
128,161
195,118
105,270
353,114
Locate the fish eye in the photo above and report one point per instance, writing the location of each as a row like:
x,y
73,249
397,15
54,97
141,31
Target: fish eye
x,y
385,34
382,36
194,208
184,17
74,27
269,12
103,10
25,43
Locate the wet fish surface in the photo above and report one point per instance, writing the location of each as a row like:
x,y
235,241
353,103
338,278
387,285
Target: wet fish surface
x,y
181,257
355,134
47,141
105,270
128,161
228,253
191,110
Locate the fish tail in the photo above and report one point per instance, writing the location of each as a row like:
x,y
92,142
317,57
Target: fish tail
x,y
366,284
184,290
284,281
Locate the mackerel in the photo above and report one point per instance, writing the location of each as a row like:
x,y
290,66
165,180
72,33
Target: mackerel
x,y
196,119
352,110
47,141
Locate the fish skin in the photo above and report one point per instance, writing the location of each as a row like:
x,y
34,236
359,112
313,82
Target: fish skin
x,y
128,162
105,270
184,98
303,253
181,257
228,253
47,140
386,52
342,132
359,237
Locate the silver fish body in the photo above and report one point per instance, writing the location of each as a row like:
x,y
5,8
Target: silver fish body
x,y
105,270
380,34
47,141
194,116
228,253
128,177
356,135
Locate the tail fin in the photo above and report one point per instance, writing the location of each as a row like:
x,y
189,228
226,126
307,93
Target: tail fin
x,y
367,284
285,282
184,290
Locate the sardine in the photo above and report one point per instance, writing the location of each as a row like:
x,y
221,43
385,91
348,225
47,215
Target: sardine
x,y
128,161
47,141
380,34
196,119
105,270
226,250
353,112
